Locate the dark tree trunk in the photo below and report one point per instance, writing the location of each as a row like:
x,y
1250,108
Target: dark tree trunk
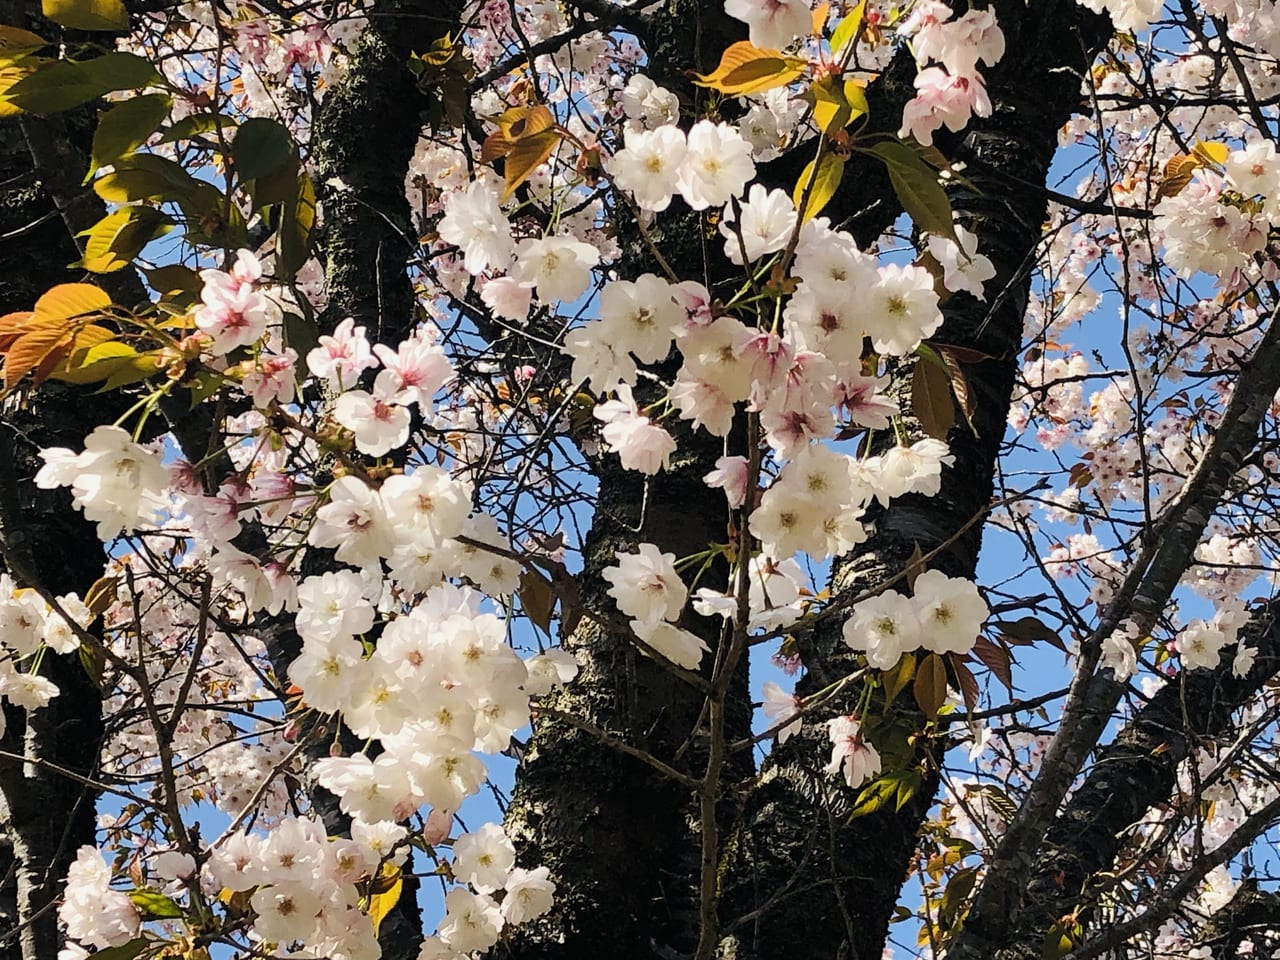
x,y
46,816
800,871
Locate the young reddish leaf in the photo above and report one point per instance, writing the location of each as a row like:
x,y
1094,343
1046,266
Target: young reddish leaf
x,y
1028,630
28,352
996,659
931,685
967,682
960,387
931,398
746,68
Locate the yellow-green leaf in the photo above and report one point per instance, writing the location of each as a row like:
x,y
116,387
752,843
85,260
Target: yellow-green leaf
x,y
389,886
931,685
117,238
88,14
126,126
145,176
155,905
101,595
261,147
526,155
97,363
63,84
847,28
745,68
814,190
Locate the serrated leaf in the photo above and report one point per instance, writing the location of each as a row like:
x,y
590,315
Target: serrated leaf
x,y
537,599
914,566
260,147
917,188
133,370
847,28
930,685
67,301
931,398
390,885
745,68
28,352
960,387
810,200
155,905
526,155
88,14
126,126
117,238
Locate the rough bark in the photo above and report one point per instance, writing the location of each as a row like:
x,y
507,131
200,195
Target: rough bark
x,y
799,873
45,816
365,135
1132,774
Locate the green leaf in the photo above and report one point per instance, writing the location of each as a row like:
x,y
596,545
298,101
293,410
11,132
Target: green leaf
x,y
117,238
125,951
931,398
126,126
65,83
847,28
917,187
261,147
175,283
293,236
196,125
810,200
16,44
155,904
300,334
88,14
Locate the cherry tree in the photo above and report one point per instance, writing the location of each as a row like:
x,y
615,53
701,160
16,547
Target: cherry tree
x,y
507,478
